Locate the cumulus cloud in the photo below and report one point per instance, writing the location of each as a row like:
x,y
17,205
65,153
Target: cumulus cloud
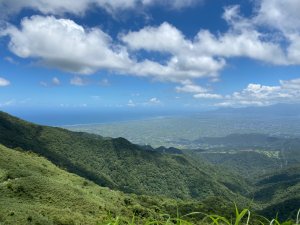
x,y
191,88
55,81
63,44
288,91
208,96
175,4
241,40
146,103
131,103
153,101
282,17
164,38
4,82
79,7
78,81
184,62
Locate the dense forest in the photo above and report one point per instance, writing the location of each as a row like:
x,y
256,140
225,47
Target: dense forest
x,y
91,178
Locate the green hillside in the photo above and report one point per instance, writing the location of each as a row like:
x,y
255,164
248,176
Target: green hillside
x,y
281,192
119,164
35,191
249,163
161,180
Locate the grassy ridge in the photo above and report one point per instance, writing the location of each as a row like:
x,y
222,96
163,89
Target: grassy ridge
x,y
119,164
35,191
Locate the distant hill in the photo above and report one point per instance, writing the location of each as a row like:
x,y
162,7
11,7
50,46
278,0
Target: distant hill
x,y
119,164
251,154
185,131
36,190
250,140
277,110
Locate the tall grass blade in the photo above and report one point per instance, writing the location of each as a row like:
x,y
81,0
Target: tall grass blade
x,y
240,216
274,221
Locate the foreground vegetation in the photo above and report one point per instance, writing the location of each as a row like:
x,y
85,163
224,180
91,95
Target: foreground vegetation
x,y
242,217
34,191
121,165
157,186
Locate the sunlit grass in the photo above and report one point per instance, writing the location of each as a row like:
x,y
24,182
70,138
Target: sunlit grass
x,y
241,218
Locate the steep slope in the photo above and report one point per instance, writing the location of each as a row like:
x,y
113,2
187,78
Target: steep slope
x,y
280,193
117,163
34,190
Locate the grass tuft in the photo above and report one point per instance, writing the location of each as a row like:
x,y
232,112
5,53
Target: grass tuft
x,y
241,218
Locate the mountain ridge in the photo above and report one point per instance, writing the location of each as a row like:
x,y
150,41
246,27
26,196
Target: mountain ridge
x,y
115,163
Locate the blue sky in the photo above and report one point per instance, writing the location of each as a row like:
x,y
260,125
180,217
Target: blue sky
x,y
148,55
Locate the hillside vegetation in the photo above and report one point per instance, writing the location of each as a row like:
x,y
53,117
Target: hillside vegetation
x,y
281,190
119,164
35,191
152,181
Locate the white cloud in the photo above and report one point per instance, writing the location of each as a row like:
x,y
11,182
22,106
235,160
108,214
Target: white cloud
x,y
78,81
283,19
80,7
55,81
175,4
288,91
8,103
131,103
10,60
283,15
63,44
104,82
164,38
247,43
191,88
241,40
154,101
44,84
151,102
184,61
83,105
290,84
4,82
208,96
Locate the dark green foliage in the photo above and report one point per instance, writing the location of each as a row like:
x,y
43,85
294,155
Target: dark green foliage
x,y
281,190
34,191
117,163
29,182
249,163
